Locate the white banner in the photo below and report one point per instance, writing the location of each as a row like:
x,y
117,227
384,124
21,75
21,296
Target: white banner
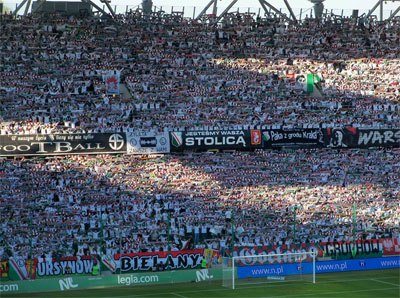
x,y
112,79
147,142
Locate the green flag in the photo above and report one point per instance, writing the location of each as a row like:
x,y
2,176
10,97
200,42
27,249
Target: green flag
x,y
102,248
233,232
354,220
310,83
169,231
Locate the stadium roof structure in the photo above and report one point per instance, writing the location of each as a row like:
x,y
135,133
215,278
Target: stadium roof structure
x,y
380,5
318,9
268,8
27,4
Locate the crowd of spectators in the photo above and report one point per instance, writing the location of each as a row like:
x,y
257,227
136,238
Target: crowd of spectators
x,y
181,73
79,205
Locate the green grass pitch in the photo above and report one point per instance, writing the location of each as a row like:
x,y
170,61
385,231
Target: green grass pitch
x,y
375,284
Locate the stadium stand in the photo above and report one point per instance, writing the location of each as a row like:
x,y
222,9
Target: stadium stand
x,y
70,200
185,74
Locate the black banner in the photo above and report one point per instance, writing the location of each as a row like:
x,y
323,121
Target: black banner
x,y
215,139
100,143
297,138
351,137
344,249
62,144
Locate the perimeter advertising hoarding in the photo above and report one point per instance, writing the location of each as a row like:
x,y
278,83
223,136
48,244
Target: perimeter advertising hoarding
x,y
186,259
320,267
215,139
147,142
67,283
62,144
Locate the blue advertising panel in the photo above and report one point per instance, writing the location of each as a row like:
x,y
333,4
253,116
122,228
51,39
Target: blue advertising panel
x,y
321,267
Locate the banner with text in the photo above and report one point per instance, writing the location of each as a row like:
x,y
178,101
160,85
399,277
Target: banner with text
x,y
308,137
184,259
63,266
147,142
361,248
70,283
62,144
215,139
270,251
321,267
352,137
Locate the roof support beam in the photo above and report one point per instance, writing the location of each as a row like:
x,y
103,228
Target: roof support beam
x,y
394,13
373,9
28,5
290,10
17,9
265,8
107,3
275,10
207,7
97,7
226,10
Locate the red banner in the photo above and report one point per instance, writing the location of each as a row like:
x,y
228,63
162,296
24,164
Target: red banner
x,y
391,247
